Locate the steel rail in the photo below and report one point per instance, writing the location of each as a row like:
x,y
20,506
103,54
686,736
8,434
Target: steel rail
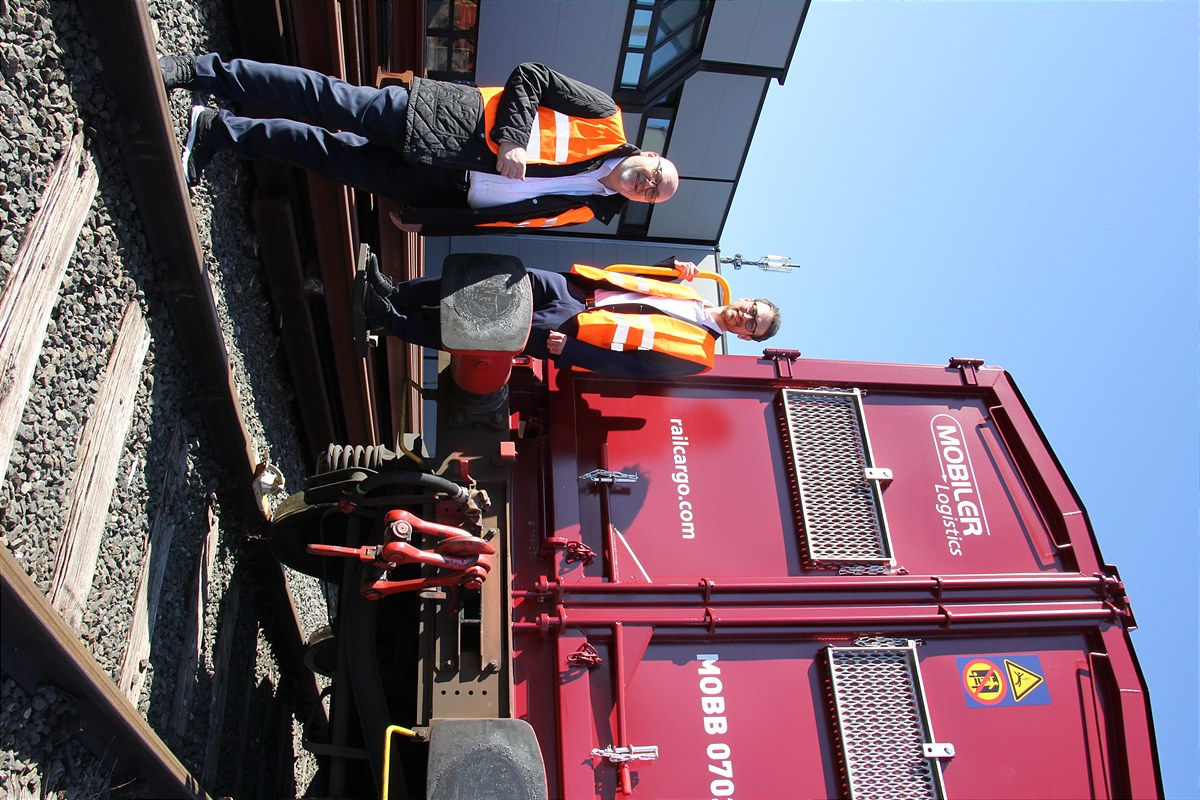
x,y
147,143
146,138
37,646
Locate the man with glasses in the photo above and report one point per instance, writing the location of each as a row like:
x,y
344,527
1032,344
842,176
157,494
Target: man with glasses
x,y
590,319
542,151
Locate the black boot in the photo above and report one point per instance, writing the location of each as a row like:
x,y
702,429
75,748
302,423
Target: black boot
x,y
178,72
199,150
379,282
370,311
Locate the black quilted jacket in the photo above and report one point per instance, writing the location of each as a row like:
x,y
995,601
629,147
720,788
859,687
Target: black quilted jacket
x,y
445,129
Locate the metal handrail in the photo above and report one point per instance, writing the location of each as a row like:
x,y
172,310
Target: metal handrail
x,y
723,291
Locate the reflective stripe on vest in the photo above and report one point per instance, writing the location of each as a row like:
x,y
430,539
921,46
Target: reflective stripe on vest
x,y
658,332
557,138
637,283
572,217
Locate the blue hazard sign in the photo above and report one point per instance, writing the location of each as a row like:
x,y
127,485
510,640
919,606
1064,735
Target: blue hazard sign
x,y
989,681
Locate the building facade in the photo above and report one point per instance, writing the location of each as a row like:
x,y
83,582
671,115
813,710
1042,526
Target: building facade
x,y
690,76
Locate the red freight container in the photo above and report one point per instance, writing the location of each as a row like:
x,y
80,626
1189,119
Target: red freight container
x,y
791,578
780,579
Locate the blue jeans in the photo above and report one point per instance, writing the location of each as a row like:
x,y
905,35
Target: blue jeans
x,y
356,135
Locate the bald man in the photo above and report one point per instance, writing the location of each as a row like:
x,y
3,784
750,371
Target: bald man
x,y
542,151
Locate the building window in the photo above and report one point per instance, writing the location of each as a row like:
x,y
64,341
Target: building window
x,y
662,48
665,36
451,33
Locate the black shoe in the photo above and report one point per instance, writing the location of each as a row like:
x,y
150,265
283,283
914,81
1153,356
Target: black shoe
x,y
178,72
198,151
370,312
379,282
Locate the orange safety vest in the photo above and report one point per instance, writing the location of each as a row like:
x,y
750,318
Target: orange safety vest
x,y
557,138
659,332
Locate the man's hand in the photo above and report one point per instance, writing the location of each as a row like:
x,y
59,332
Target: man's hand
x,y
555,342
686,270
511,161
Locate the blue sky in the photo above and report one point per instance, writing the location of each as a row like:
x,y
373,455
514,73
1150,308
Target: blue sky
x,y
1015,182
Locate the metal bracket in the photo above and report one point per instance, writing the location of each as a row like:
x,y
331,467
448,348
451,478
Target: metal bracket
x,y
783,360
937,749
621,755
968,367
608,477
881,474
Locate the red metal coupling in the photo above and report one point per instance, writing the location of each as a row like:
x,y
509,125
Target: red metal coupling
x,y
400,520
369,554
377,590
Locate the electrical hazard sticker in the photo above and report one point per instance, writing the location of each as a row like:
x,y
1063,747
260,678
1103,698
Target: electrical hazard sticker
x,y
991,681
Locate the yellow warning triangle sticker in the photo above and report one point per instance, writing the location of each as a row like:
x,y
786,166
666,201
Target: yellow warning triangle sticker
x,y
1022,680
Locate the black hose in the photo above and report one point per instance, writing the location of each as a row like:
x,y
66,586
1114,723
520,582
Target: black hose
x,y
458,494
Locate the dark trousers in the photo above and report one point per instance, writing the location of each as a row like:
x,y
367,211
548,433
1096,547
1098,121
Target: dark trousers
x,y
415,313
354,135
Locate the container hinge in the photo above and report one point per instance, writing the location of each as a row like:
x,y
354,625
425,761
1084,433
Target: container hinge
x,y
881,474
608,477
783,360
968,367
620,755
937,749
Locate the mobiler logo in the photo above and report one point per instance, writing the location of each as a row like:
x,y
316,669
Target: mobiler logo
x,y
958,500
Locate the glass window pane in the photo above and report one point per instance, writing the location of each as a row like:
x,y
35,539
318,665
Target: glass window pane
x,y
671,52
655,136
663,57
437,14
631,71
677,14
437,54
640,31
466,14
462,56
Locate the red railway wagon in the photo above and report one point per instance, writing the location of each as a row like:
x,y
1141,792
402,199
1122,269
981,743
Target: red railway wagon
x,y
785,578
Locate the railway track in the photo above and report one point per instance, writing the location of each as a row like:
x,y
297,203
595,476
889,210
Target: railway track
x,y
148,651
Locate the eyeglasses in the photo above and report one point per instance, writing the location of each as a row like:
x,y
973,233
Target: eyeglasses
x,y
656,176
751,324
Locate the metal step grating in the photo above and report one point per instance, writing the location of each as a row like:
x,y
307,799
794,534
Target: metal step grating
x,y
838,508
882,724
